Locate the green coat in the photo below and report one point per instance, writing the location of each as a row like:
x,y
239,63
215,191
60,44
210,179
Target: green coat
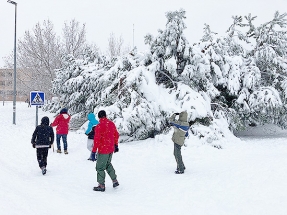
x,y
180,126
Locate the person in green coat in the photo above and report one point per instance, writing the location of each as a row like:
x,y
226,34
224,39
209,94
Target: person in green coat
x,y
181,127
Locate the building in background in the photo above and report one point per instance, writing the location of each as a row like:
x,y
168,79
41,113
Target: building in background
x,y
23,85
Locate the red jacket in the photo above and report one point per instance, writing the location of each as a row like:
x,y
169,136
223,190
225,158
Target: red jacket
x,y
106,136
62,123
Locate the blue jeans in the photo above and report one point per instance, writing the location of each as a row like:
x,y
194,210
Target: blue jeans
x,y
64,138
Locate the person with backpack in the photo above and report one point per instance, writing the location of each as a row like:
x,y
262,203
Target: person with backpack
x,y
90,132
42,140
181,127
105,144
61,123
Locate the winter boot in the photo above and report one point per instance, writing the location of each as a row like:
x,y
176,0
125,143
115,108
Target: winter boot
x,y
59,151
66,152
179,172
115,183
43,170
101,188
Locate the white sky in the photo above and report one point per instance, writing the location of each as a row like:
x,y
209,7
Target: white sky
x,y
118,16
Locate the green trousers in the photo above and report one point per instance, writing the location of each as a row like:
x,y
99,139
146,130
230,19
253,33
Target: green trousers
x,y
178,157
104,164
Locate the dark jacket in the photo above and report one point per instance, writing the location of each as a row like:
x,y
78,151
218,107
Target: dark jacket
x,y
43,135
181,127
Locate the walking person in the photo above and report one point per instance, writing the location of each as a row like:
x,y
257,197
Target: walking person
x,y
181,127
90,132
105,144
42,140
62,128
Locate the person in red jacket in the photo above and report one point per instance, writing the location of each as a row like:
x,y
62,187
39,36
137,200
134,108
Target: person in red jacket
x,y
105,144
62,124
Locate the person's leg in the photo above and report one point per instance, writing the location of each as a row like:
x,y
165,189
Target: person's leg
x,y
42,159
45,155
90,144
110,169
39,157
178,157
64,137
58,137
101,167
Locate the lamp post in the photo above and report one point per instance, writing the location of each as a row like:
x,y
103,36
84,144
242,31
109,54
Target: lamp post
x,y
14,99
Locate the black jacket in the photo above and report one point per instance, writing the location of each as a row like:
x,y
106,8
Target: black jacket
x,y
91,134
43,135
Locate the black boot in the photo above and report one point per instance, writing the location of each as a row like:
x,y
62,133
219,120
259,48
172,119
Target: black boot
x,y
101,188
179,172
43,170
115,183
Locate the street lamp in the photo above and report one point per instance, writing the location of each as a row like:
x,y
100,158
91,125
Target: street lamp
x,y
14,100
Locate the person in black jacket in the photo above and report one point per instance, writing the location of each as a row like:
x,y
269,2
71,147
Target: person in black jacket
x,y
42,140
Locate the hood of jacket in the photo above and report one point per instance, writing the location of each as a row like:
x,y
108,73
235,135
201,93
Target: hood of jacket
x,y
45,121
92,118
65,115
183,116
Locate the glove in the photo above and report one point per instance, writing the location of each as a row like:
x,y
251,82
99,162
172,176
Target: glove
x,y
50,145
116,148
93,156
34,145
176,113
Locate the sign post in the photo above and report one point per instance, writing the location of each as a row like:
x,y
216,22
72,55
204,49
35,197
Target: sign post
x,y
37,98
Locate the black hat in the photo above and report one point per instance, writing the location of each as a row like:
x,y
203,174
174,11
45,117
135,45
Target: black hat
x,y
102,114
64,110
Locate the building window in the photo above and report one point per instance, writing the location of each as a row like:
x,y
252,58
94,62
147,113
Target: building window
x,y
2,83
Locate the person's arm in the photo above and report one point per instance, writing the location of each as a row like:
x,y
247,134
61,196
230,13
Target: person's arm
x,y
52,136
116,135
96,139
89,128
172,118
34,135
56,121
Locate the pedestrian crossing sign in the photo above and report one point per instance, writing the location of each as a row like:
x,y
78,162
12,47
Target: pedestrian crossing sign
x,y
37,98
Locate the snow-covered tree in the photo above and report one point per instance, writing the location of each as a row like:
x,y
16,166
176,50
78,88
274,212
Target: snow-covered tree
x,y
216,80
171,41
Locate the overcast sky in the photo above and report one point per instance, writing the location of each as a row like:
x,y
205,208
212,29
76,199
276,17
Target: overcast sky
x,y
103,17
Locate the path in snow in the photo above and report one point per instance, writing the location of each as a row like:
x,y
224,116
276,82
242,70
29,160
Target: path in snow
x,y
243,178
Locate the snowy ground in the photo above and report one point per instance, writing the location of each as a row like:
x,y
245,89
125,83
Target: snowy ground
x,y
245,177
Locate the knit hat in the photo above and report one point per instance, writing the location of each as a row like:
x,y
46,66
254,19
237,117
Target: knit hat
x,y
64,110
102,114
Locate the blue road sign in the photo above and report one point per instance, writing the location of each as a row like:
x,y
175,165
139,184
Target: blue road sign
x,y
37,98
